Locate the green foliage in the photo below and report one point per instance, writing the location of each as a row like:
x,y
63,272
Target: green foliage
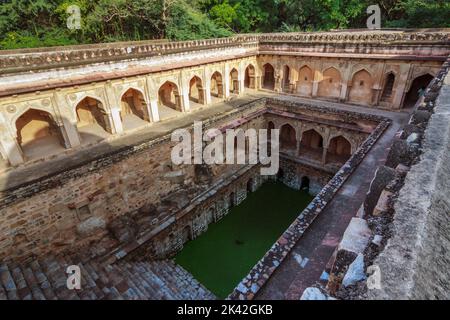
x,y
36,23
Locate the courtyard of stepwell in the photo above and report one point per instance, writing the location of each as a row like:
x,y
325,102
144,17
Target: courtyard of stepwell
x,y
359,208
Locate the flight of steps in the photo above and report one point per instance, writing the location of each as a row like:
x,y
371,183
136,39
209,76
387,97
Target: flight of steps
x,y
387,92
151,280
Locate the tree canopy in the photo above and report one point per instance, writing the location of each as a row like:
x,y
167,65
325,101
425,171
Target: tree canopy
x,y
35,23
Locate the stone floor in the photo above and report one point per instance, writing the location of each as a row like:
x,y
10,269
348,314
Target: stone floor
x,y
305,263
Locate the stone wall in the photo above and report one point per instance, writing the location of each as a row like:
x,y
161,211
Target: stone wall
x,y
137,185
414,263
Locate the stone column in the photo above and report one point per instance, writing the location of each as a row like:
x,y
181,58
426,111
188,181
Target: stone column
x,y
344,89
154,110
324,155
11,149
114,109
241,79
226,80
184,93
69,122
258,82
401,82
207,90
116,120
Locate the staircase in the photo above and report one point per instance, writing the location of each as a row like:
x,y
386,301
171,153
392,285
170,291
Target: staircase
x,y
387,92
150,280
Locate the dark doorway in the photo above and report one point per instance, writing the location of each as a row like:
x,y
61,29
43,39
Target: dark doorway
x,y
304,184
417,90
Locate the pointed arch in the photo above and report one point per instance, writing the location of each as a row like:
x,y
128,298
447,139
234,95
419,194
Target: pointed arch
x,y
196,91
305,81
339,150
250,76
268,77
361,88
417,89
132,103
92,116
169,98
234,81
311,145
331,83
38,134
288,138
217,85
388,88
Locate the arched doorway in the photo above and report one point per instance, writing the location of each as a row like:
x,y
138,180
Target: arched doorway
x,y
305,81
250,185
288,140
234,81
361,89
304,185
169,100
311,145
216,85
330,86
92,120
388,87
416,90
269,77
196,92
38,134
186,234
231,200
133,109
339,150
249,80
286,77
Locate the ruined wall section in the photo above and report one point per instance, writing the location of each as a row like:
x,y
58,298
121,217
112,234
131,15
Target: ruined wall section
x,y
414,263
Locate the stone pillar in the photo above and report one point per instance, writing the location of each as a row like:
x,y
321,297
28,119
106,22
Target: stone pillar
x,y
324,155
69,122
207,90
116,120
114,109
12,151
277,86
241,79
154,110
399,91
258,82
344,89
226,80
184,92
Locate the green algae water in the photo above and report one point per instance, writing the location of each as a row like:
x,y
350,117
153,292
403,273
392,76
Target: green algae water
x,y
222,256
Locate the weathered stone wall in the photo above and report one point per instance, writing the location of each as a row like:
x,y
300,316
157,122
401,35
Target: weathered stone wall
x,y
71,209
293,173
414,263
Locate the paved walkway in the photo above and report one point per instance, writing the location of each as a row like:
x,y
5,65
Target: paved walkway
x,y
309,257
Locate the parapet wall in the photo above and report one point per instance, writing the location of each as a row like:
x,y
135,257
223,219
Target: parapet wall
x,y
12,61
